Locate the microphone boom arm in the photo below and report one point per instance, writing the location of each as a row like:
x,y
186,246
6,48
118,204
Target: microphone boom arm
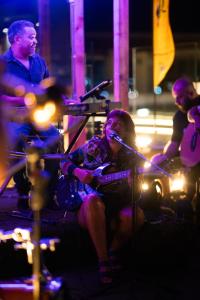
x,y
120,141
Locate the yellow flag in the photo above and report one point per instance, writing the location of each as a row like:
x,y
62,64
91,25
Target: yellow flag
x,y
163,43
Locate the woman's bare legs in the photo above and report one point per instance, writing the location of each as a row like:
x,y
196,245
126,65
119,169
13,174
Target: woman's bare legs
x,y
124,226
91,216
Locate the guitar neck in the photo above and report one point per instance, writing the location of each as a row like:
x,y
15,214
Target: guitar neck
x,y
105,179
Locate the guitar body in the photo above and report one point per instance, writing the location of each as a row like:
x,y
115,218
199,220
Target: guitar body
x,y
70,191
109,179
190,146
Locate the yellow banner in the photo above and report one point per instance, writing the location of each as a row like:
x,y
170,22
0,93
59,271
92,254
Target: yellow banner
x,y
163,43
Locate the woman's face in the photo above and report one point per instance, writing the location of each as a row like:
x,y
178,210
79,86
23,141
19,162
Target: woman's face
x,y
115,124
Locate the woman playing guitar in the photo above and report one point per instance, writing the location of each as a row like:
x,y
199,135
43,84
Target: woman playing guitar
x,y
108,212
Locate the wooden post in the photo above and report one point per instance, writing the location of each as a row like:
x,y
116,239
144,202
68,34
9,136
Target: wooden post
x,y
77,63
78,47
121,51
44,31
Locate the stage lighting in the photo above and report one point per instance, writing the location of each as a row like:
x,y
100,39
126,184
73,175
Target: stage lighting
x,y
177,183
45,108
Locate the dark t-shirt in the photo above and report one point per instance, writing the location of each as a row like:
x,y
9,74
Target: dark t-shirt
x,y
180,122
15,73
34,75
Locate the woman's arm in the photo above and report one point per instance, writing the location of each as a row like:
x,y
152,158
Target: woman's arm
x,y
71,167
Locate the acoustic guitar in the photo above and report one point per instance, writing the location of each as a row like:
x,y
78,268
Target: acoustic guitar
x,y
190,146
70,191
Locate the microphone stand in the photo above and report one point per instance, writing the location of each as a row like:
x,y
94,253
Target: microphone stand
x,y
133,192
39,180
120,141
95,92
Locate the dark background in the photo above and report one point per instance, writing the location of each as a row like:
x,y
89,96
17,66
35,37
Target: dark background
x,y
98,14
99,28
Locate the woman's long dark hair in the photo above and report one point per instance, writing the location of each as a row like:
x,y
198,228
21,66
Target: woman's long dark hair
x,y
125,117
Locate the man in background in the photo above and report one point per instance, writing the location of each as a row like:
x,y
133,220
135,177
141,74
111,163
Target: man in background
x,y
25,67
186,98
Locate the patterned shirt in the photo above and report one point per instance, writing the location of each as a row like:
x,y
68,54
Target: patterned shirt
x,y
95,153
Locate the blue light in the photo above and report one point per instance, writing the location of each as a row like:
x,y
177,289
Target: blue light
x,y
158,90
105,94
5,30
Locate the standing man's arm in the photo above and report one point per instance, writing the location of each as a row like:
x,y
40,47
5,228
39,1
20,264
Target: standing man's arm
x,y
172,147
13,100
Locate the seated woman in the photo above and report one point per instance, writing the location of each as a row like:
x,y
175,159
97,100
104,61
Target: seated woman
x,y
106,213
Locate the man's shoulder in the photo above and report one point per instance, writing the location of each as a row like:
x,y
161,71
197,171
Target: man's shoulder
x,y
39,63
6,55
180,121
180,115
2,56
36,56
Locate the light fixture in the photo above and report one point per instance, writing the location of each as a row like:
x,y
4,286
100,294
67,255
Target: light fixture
x,y
177,182
145,186
143,141
5,30
45,108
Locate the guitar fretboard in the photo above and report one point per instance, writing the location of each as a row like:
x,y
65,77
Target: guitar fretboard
x,y
105,179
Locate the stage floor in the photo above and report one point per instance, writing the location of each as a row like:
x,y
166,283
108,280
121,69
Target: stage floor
x,y
161,263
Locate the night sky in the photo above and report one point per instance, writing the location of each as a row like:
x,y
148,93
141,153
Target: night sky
x,y
99,19
98,14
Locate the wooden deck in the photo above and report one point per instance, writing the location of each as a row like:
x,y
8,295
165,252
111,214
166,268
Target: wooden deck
x,y
162,262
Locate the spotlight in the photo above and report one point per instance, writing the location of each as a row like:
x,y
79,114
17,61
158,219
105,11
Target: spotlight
x,y
5,30
177,183
46,108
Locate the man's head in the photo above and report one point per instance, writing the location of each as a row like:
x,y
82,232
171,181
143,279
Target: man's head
x,y
184,93
22,36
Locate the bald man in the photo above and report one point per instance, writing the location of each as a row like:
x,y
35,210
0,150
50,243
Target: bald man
x,y
186,99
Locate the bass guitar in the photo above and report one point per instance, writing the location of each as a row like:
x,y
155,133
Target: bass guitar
x,y
70,191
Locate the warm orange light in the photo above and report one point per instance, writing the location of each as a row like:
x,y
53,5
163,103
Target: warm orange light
x,y
177,182
145,186
20,90
43,115
50,108
47,82
30,100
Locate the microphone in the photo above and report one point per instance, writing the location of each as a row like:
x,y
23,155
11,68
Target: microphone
x,y
114,136
95,90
